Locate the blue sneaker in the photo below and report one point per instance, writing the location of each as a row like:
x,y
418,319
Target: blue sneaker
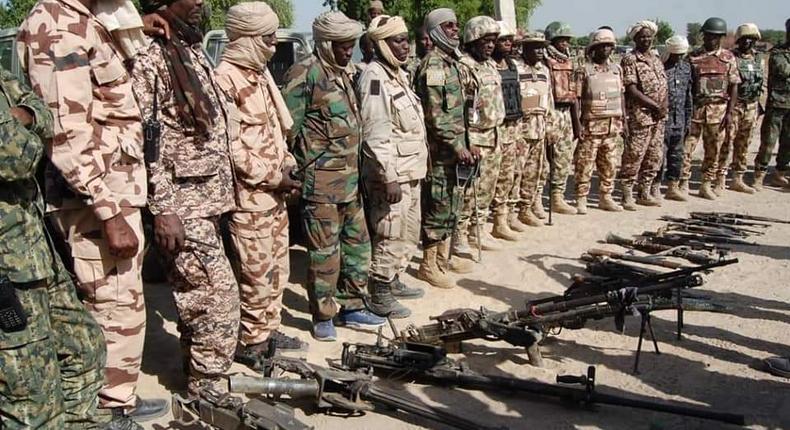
x,y
360,318
324,331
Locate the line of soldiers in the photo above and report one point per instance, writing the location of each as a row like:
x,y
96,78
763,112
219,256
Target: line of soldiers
x,y
144,131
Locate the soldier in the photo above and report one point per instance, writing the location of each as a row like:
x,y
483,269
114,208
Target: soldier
x,y
510,135
646,109
326,129
599,85
716,80
59,337
747,108
423,45
366,48
191,186
679,102
96,182
375,9
438,85
537,105
561,64
259,226
776,123
395,160
485,112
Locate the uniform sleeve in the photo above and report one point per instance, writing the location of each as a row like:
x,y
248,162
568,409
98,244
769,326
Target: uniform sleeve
x,y
630,74
579,78
689,105
61,71
778,67
733,75
297,96
377,123
444,117
20,150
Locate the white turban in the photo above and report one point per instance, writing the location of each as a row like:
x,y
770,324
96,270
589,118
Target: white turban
x,y
334,27
677,44
639,26
378,33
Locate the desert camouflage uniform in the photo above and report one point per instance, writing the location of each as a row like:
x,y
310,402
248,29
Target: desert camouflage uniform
x,y
394,150
438,85
52,370
560,135
643,152
707,117
259,226
483,86
193,179
511,144
744,114
597,148
97,172
776,123
326,118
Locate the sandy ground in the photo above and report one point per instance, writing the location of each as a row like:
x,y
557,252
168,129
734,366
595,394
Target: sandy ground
x,y
716,364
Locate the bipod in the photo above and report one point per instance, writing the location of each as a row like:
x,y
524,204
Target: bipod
x,y
645,324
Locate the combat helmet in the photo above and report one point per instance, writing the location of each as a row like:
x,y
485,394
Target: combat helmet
x,y
715,26
478,27
557,29
747,30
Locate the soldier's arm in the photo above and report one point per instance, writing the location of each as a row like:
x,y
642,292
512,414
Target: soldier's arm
x,y
444,111
19,150
579,79
376,123
297,93
689,105
631,83
778,67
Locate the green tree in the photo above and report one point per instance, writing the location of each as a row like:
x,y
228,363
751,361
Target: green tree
x,y
13,12
219,8
774,37
694,33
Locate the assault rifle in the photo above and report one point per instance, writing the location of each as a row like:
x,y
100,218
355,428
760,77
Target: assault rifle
x,y
593,254
703,241
737,219
646,244
429,364
728,228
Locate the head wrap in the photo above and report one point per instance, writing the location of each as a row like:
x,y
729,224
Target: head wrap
x,y
376,4
244,26
641,25
478,27
334,27
123,21
677,44
433,22
378,33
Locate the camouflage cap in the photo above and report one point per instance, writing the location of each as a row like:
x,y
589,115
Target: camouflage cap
x,y
557,29
747,30
534,37
602,36
478,27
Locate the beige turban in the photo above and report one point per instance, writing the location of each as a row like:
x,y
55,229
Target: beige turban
x,y
124,23
378,33
250,19
639,26
677,44
334,27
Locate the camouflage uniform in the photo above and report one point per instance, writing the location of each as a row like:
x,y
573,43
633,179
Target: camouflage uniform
x,y
326,118
394,151
561,134
259,226
510,140
710,106
744,115
193,179
776,123
51,370
98,173
644,150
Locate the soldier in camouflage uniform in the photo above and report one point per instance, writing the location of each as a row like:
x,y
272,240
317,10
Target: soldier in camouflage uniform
x,y
485,113
646,109
259,226
96,183
190,186
600,88
750,68
438,85
776,123
422,46
716,82
320,96
52,368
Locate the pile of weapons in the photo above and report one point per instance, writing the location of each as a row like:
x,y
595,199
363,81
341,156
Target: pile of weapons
x,y
614,289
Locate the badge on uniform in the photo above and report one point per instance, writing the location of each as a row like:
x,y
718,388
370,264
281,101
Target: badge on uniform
x,y
434,77
375,87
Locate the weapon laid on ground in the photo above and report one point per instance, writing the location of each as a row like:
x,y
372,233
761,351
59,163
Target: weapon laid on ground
x,y
645,244
429,364
729,228
695,238
735,218
651,260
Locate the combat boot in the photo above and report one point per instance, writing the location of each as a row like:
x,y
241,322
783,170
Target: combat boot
x,y
515,224
645,199
403,291
453,263
683,186
581,205
740,186
485,241
537,206
705,191
674,193
607,203
121,421
430,271
719,185
778,179
461,242
383,303
502,230
759,177
655,192
629,203
527,217
558,204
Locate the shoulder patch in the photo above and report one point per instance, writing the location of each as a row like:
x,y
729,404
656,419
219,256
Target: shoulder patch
x,y
375,87
434,76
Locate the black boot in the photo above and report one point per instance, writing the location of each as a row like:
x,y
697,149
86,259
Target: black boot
x,y
148,409
121,421
401,291
383,303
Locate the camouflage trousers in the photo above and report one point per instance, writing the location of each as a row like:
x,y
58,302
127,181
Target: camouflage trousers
x,y
744,117
776,126
440,203
207,301
338,249
260,245
713,137
52,371
596,153
510,137
396,230
484,185
112,291
561,138
532,163
643,155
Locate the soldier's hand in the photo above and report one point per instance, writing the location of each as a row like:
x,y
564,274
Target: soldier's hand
x,y
121,240
475,153
22,115
169,233
393,192
465,157
288,184
155,25
725,123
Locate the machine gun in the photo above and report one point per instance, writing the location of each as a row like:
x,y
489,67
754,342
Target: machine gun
x,y
646,244
429,364
724,227
737,219
695,239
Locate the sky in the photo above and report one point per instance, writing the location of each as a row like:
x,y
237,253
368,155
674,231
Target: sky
x,y
590,14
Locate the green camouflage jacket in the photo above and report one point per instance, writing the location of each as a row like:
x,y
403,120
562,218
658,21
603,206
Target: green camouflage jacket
x,y
326,118
779,77
24,251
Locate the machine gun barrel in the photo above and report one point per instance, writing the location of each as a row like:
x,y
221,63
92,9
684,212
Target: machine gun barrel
x,y
737,218
644,244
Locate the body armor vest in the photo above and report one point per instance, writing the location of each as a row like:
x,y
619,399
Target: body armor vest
x,y
602,99
562,72
511,91
536,93
751,71
710,78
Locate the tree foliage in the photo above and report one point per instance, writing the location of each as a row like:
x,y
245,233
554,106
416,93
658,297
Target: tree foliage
x,y
774,37
694,33
13,12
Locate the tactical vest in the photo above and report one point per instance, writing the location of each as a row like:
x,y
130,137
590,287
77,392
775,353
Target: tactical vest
x,y
751,71
562,72
536,93
511,91
710,78
602,99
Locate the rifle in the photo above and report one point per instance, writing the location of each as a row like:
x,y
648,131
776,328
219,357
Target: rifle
x,y
429,364
296,175
550,160
695,239
651,260
740,231
737,218
702,230
705,216
645,244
